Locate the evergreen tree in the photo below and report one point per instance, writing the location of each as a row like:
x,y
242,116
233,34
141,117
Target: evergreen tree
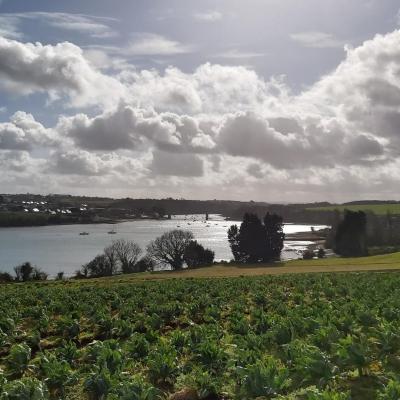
x,y
274,236
197,256
255,241
350,237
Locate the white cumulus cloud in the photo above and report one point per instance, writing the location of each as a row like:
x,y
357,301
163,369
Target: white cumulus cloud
x,y
218,126
56,70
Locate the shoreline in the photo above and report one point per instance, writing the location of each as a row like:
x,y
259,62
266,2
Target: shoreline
x,y
305,237
108,221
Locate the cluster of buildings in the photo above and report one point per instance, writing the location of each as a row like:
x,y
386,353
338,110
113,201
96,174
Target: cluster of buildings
x,y
18,204
72,209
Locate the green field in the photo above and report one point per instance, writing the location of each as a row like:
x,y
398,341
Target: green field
x,y
385,262
297,336
378,209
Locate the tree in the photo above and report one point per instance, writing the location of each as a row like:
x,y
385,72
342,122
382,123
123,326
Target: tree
x,y
158,211
127,254
234,243
308,255
197,256
248,240
321,252
23,272
99,266
39,275
275,237
145,264
111,257
5,277
257,241
120,256
350,236
60,276
170,248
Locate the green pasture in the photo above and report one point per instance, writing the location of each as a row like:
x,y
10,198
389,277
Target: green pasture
x,y
378,209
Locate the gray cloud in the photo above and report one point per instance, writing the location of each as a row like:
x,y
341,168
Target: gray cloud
x,y
255,170
19,164
249,135
184,165
13,138
122,128
77,163
129,128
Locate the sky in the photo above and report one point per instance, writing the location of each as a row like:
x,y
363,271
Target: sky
x,y
265,100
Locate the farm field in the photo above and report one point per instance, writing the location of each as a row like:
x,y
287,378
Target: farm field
x,y
300,336
378,209
385,262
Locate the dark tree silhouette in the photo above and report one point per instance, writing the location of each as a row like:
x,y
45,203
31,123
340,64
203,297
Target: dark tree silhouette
x,y
234,242
350,236
144,264
39,275
197,256
26,272
255,241
273,225
23,272
5,277
169,248
99,266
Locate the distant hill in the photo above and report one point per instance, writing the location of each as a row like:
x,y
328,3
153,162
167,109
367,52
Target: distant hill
x,y
367,202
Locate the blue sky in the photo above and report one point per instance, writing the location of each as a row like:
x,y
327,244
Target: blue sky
x,y
200,70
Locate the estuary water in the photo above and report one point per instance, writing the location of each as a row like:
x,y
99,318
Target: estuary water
x,y
61,248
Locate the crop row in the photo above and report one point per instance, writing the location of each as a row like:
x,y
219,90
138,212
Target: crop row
x,y
327,336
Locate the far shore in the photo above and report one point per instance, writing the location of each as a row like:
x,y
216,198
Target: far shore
x,y
72,221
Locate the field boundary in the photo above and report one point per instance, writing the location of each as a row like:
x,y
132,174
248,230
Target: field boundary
x,y
235,271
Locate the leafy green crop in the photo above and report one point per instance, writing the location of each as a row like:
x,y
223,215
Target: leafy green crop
x,y
299,337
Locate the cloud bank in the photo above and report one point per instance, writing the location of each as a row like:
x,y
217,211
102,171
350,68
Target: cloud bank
x,y
218,131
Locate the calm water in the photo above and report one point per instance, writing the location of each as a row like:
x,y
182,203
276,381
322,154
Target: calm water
x,y
61,248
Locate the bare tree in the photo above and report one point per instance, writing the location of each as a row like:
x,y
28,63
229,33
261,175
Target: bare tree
x,y
111,258
127,254
170,248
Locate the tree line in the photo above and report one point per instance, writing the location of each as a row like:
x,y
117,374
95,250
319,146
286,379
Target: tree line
x,y
173,249
255,241
24,273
